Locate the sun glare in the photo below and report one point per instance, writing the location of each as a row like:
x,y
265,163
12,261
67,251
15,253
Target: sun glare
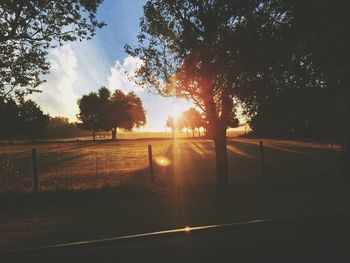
x,y
162,161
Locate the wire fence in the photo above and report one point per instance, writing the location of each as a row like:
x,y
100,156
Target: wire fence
x,y
83,166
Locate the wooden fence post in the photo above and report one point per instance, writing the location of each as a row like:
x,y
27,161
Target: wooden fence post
x,y
150,162
332,157
35,171
262,156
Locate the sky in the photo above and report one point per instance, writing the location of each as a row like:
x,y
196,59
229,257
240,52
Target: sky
x,y
78,68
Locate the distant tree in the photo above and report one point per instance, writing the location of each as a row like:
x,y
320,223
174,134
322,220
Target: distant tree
x,y
127,112
170,123
9,118
193,119
29,28
32,119
184,121
233,121
89,112
108,112
60,127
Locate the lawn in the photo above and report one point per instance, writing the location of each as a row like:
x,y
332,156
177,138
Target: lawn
x,y
101,189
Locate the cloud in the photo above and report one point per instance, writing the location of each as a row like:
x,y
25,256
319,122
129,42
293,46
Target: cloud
x,y
157,107
59,97
119,75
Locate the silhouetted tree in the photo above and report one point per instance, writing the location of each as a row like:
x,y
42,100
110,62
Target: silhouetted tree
x,y
9,118
108,112
29,28
170,123
136,114
197,50
89,110
192,119
233,121
60,127
32,119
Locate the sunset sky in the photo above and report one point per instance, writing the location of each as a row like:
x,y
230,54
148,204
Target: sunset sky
x,y
81,67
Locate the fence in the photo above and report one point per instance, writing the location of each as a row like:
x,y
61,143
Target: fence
x,y
189,162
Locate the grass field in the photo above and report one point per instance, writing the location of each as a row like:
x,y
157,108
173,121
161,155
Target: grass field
x,y
86,164
100,189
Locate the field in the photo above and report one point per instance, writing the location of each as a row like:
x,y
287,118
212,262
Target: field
x,y
101,189
85,164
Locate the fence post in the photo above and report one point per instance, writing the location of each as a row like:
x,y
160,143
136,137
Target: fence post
x,y
150,162
35,171
332,157
262,156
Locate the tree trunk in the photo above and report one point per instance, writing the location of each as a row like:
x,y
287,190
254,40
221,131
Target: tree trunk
x,y
221,159
93,135
199,132
193,133
114,134
187,132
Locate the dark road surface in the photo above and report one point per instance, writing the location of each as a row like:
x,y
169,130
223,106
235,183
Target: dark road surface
x,y
310,239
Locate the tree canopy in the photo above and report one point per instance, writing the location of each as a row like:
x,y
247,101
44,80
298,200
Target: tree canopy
x,y
23,119
202,51
29,28
260,54
108,112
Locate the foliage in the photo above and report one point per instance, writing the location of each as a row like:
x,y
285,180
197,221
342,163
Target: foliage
x,y
60,127
29,28
89,110
205,51
23,119
106,111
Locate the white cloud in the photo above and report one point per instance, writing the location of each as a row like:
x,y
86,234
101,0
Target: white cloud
x,y
59,97
119,75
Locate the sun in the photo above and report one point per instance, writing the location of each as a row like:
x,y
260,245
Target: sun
x,y
176,111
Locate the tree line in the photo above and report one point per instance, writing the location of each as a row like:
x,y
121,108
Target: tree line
x,y
193,120
98,111
22,119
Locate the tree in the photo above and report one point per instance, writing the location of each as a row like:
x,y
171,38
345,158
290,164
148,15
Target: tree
x,y
192,119
9,118
136,114
29,28
233,121
301,85
170,123
32,119
108,112
127,112
89,112
198,50
60,127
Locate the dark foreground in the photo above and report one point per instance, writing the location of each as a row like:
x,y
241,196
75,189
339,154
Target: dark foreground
x,y
308,239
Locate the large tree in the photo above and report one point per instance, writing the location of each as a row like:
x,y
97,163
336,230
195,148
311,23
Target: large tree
x,y
29,28
203,50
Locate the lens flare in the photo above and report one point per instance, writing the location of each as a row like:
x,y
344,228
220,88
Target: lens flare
x,y
162,161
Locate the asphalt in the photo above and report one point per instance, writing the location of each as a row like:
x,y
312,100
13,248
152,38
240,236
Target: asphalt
x,y
323,238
